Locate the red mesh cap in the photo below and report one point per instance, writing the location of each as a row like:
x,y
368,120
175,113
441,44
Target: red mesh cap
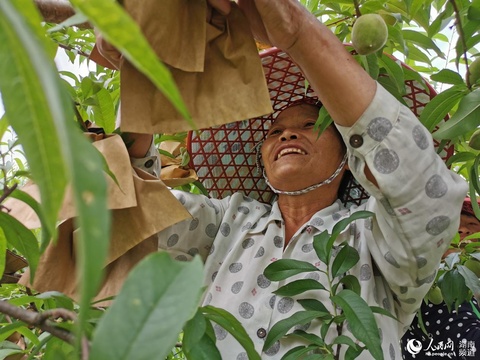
x,y
224,157
467,207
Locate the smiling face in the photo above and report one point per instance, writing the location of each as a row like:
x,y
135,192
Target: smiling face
x,y
469,224
294,156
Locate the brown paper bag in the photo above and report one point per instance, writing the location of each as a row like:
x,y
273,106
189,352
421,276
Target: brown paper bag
x,y
173,174
215,66
143,207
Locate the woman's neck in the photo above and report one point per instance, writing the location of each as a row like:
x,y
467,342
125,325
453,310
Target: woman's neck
x,y
297,210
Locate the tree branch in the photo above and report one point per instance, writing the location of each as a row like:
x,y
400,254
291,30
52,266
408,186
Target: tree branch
x,y
461,35
357,8
57,11
41,320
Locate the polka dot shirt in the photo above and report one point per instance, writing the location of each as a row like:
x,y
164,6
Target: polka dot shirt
x,y
460,328
416,211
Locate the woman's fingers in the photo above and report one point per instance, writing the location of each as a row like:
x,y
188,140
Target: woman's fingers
x,y
108,51
256,22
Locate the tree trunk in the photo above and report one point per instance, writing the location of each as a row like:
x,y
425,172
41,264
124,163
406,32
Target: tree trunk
x,y
56,11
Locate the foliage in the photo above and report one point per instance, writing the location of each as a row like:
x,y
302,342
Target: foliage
x,y
43,107
346,301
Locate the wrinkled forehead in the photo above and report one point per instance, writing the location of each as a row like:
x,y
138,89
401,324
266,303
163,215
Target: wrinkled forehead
x,y
305,101
297,110
467,207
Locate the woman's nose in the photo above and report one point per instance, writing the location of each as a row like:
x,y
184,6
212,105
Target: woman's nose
x,y
288,135
464,231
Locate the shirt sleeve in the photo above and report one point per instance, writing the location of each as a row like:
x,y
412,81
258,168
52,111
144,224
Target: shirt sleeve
x,y
150,163
194,236
417,202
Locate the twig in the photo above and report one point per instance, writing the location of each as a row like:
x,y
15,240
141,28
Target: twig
x,y
32,304
39,320
57,11
339,21
7,191
70,48
461,35
357,8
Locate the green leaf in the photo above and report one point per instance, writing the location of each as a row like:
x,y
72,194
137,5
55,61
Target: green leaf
x,y
323,247
30,92
311,338
342,224
299,286
353,353
104,111
361,320
474,12
349,282
370,64
395,71
416,54
20,327
57,349
475,179
121,31
473,196
4,353
197,345
320,243
459,157
324,120
41,113
283,326
346,258
453,288
3,252
343,339
448,76
410,74
233,326
422,40
21,239
389,84
465,119
30,201
284,268
313,305
471,279
297,352
9,329
396,35
76,19
150,311
3,125
382,311
437,108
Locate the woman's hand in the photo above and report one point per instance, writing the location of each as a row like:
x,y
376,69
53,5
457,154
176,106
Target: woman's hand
x,y
107,50
274,22
112,55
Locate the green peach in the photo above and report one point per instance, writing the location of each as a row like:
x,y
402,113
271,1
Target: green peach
x,y
369,34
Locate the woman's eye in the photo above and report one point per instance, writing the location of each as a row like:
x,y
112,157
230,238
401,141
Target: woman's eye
x,y
274,132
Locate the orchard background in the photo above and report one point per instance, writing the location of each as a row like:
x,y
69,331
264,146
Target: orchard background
x,y
41,132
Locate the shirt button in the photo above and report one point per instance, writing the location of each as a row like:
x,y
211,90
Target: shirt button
x,y
356,140
261,333
148,164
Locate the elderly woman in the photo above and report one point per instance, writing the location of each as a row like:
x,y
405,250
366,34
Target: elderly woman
x,y
415,199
